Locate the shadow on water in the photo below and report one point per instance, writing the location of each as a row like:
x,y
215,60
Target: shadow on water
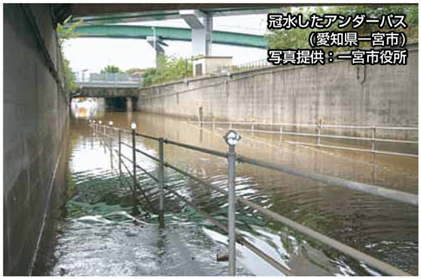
x,y
100,236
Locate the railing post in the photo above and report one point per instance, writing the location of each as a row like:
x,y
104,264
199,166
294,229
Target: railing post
x,y
111,134
134,152
134,161
161,182
231,210
201,116
119,155
319,129
281,132
101,134
373,142
231,139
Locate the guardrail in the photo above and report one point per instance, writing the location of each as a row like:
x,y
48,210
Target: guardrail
x,y
319,134
257,64
232,157
110,80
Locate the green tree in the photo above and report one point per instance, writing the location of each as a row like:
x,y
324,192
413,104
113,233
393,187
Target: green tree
x,y
70,76
67,31
169,68
64,33
111,69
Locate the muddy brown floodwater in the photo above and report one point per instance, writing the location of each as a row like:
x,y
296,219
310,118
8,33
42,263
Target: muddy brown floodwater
x,y
99,236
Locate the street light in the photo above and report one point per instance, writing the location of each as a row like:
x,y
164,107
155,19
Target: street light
x,y
134,126
232,138
83,75
100,122
110,123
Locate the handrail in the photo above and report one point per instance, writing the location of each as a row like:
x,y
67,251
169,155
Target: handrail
x,y
240,240
304,230
362,187
200,149
319,135
329,136
302,125
330,180
371,189
140,188
353,149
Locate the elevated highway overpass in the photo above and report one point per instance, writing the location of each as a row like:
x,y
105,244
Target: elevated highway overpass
x,y
104,24
168,33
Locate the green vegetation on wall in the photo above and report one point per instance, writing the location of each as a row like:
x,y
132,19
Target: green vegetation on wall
x,y
169,68
63,35
112,69
70,76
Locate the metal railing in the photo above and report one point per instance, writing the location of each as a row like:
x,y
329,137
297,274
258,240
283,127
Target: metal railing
x,y
320,135
233,158
257,64
110,80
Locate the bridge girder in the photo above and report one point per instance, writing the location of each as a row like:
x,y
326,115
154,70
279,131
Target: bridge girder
x,y
168,33
107,92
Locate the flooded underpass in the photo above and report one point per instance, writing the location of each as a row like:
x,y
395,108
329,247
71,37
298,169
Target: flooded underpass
x,y
105,233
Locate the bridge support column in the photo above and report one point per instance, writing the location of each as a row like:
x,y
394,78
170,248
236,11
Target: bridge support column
x,y
201,25
157,43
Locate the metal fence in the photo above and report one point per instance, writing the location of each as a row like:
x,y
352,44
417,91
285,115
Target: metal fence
x,y
110,80
319,134
111,134
257,64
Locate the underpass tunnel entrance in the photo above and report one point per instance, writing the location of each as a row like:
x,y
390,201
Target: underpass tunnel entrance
x,y
120,103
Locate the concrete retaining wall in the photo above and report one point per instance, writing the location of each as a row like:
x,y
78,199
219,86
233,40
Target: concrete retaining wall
x,y
35,135
337,93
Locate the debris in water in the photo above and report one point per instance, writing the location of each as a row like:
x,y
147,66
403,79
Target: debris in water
x,y
222,256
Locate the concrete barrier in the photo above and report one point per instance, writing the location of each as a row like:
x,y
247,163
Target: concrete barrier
x,y
337,94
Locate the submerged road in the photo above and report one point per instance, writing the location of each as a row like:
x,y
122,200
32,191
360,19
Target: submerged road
x,y
100,237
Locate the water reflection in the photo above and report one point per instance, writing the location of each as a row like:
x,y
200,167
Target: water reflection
x,y
100,203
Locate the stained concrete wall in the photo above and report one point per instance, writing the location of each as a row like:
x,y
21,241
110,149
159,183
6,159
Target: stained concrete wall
x,y
337,93
35,135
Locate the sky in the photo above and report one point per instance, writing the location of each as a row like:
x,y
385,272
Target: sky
x,y
93,54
